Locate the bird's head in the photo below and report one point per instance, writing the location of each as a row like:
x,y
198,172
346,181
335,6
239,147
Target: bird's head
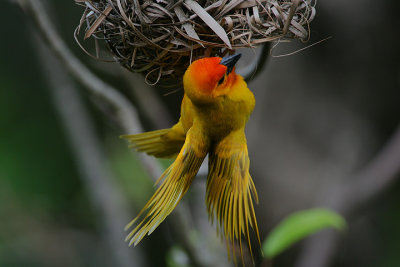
x,y
210,77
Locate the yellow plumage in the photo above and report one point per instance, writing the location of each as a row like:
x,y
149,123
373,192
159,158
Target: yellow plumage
x,y
214,112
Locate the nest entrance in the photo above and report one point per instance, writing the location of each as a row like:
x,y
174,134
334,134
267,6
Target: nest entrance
x,y
160,38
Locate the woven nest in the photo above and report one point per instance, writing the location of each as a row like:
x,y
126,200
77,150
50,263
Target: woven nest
x,y
160,38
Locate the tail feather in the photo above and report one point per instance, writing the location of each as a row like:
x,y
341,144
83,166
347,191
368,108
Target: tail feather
x,y
174,183
230,192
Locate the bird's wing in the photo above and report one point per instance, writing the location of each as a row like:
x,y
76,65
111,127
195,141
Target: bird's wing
x,y
230,190
165,143
174,183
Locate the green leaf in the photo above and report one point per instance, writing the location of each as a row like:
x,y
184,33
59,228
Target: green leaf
x,y
299,225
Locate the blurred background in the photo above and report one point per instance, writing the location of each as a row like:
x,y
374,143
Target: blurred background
x,y
323,133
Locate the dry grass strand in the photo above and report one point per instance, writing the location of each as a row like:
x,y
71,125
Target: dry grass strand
x,y
158,38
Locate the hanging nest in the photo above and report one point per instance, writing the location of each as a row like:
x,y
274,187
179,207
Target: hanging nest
x,y
160,38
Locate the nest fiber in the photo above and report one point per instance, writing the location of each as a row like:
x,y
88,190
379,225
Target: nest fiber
x,y
159,38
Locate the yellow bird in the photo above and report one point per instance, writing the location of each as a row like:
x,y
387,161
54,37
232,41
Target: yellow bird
x,y
214,111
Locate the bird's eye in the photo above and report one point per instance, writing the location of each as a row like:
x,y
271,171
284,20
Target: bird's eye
x,y
221,80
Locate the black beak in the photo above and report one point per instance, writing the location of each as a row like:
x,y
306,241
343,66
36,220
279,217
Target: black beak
x,y
230,61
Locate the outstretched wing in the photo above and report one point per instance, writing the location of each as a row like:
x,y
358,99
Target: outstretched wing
x,y
174,183
164,143
230,190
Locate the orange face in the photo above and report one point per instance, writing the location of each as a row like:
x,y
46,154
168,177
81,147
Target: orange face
x,y
208,75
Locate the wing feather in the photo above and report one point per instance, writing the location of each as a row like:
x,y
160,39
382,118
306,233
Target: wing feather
x,y
164,143
173,184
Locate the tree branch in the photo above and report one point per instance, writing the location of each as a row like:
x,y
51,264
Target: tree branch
x,y
105,196
125,112
376,177
152,107
256,66
365,185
